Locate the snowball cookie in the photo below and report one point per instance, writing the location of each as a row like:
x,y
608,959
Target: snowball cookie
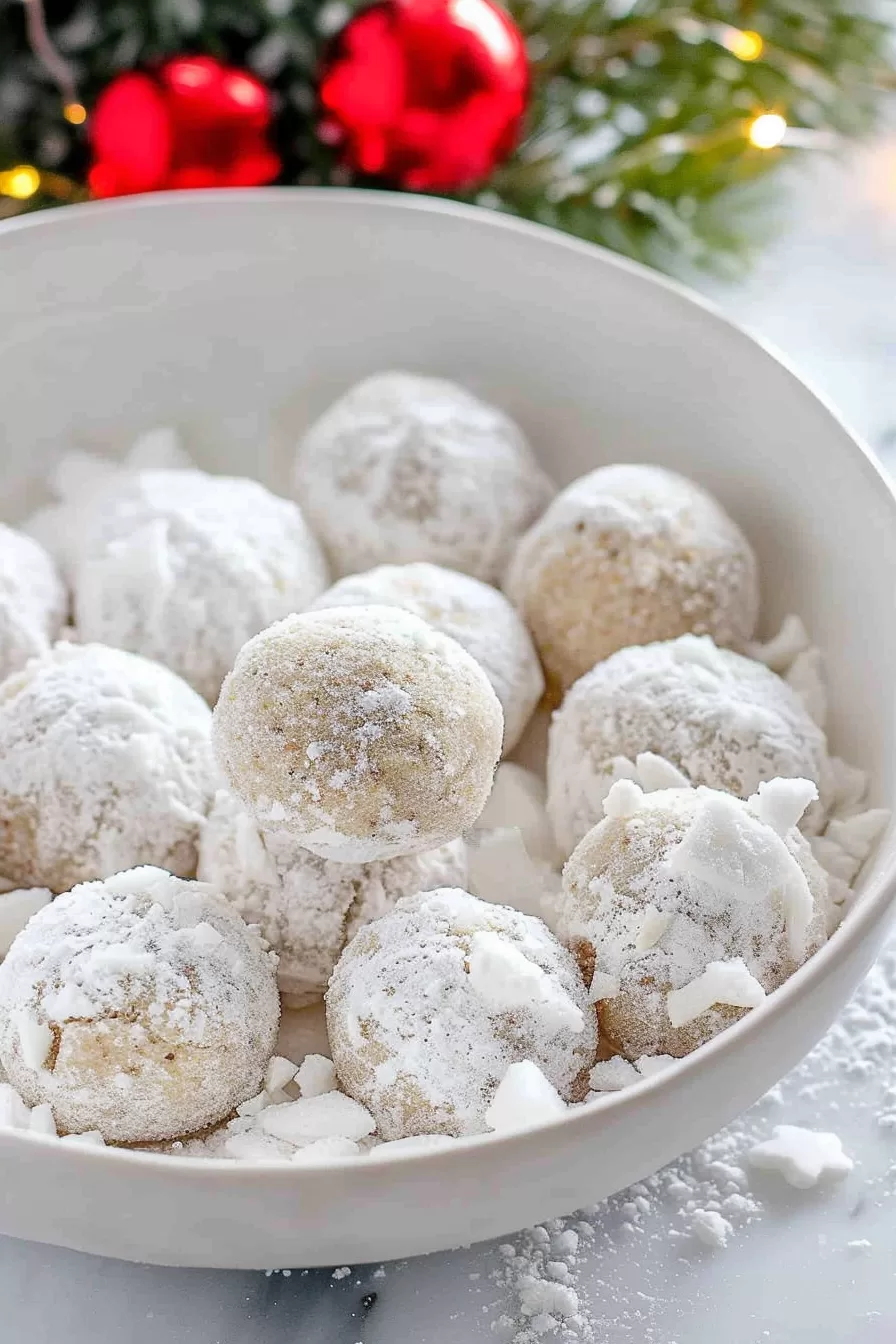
x,y
105,763
141,1006
475,614
185,567
627,555
306,907
33,600
686,906
429,1006
360,731
721,719
407,468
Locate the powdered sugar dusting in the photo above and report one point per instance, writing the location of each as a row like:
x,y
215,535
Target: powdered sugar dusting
x,y
720,719
476,615
105,763
308,907
403,468
416,1032
119,1011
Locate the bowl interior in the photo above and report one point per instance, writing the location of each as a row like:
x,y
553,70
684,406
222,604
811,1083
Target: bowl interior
x,y
239,316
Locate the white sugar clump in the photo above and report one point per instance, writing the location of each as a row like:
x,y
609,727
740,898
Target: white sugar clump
x,y
631,555
424,1020
33,600
524,1098
105,764
360,731
715,884
305,906
16,908
716,717
184,567
802,1156
479,617
404,468
120,1011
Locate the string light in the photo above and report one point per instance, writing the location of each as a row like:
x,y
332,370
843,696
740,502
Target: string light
x,y
76,113
767,131
20,183
743,43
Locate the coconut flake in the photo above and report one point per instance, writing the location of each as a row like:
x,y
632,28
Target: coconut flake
x,y
780,803
624,799
726,982
506,978
781,650
612,1075
330,1116
279,1072
655,773
524,1098
653,925
325,1150
501,871
316,1076
802,1156
745,858
14,1114
41,1120
35,1038
603,986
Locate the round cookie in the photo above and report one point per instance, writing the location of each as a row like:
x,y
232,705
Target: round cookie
x,y
721,719
141,1006
479,617
33,600
629,555
184,567
307,907
673,883
429,1006
105,763
360,731
405,468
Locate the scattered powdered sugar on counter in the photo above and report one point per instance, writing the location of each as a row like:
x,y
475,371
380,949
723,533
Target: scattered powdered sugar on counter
x,y
708,1201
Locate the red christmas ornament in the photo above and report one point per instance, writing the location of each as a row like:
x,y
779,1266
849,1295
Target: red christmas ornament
x,y
193,122
427,94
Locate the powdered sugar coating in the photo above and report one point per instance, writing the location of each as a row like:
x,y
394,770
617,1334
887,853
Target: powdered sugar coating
x,y
630,555
420,1042
307,907
158,1008
105,764
360,731
722,719
730,887
479,617
405,468
184,567
33,600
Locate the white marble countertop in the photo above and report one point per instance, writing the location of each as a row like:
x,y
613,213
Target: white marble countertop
x,y
805,1266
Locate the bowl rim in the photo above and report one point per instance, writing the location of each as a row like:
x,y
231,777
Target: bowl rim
x,y
867,911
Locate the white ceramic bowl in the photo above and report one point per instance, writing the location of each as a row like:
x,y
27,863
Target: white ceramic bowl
x,y
238,316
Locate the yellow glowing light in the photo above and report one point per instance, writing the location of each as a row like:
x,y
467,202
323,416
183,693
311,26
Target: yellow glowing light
x,y
767,131
76,113
20,183
744,44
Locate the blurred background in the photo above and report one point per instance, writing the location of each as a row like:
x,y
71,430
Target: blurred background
x,y
747,146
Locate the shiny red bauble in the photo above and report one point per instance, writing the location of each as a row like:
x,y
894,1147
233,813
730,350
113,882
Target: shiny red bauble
x,y
192,122
428,95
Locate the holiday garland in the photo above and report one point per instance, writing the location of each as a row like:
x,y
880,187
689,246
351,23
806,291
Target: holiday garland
x,y
645,127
